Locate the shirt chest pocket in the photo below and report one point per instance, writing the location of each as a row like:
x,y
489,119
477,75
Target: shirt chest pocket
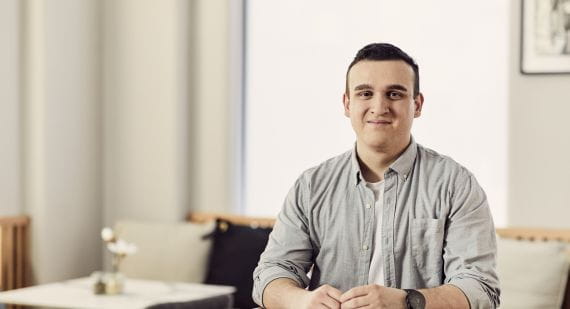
x,y
427,243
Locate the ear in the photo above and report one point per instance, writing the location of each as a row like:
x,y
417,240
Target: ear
x,y
418,104
346,104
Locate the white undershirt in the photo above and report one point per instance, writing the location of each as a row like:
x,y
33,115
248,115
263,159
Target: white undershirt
x,y
376,273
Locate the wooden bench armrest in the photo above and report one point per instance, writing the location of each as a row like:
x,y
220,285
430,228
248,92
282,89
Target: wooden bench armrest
x,y
14,267
203,217
535,234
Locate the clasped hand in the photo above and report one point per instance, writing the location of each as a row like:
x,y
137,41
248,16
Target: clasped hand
x,y
367,296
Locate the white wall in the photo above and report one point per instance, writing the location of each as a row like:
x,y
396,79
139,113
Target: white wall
x,y
297,59
210,119
539,142
167,115
146,146
62,136
10,137
97,124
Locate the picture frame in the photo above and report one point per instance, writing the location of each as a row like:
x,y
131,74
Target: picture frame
x,y
545,37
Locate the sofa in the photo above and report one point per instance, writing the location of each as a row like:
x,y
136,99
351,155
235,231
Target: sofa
x,y
208,248
533,267
220,248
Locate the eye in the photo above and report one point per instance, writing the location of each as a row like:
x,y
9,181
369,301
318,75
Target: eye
x,y
365,94
394,95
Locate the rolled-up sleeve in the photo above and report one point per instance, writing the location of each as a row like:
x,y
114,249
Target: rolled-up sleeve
x,y
470,248
289,252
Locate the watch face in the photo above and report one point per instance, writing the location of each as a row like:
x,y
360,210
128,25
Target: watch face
x,y
415,302
415,299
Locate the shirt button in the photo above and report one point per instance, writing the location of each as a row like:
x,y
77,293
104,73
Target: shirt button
x,y
368,206
365,247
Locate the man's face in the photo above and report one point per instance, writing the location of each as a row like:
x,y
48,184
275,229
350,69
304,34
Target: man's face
x,y
380,103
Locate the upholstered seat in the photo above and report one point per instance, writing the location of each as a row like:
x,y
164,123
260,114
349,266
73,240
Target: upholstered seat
x,y
166,251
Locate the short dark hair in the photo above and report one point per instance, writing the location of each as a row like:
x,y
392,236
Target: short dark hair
x,y
385,51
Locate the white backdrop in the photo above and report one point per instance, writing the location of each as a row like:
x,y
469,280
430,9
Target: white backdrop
x,y
296,58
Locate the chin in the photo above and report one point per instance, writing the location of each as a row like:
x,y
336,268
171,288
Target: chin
x,y
376,143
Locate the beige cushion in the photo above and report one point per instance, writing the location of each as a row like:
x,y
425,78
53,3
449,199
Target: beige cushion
x,y
532,274
166,251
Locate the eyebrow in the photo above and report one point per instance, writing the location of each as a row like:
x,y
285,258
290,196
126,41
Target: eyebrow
x,y
390,87
362,87
398,87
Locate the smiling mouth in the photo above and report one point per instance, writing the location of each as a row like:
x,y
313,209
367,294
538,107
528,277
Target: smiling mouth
x,y
379,122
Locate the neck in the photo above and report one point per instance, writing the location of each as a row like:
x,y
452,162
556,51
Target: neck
x,y
375,161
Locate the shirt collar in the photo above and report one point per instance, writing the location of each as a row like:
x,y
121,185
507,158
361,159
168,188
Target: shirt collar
x,y
356,175
403,165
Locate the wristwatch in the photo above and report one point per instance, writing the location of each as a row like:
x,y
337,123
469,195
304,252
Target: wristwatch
x,y
415,299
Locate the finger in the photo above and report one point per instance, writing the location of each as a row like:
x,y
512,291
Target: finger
x,y
334,293
354,292
330,302
357,302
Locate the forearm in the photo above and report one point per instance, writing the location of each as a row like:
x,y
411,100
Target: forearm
x,y
445,296
283,293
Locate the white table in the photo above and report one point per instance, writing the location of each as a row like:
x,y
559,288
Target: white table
x,y
78,293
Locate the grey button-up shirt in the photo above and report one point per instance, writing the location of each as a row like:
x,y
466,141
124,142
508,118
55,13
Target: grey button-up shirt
x,y
436,229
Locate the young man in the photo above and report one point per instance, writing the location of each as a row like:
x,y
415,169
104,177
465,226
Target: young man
x,y
388,224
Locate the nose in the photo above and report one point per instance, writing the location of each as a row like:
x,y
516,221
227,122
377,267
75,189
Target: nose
x,y
380,105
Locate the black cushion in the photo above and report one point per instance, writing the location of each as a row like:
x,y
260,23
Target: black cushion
x,y
234,256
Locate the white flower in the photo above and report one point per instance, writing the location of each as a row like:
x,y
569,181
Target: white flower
x,y
107,234
121,247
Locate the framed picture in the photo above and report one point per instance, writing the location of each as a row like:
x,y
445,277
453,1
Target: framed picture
x,y
545,41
